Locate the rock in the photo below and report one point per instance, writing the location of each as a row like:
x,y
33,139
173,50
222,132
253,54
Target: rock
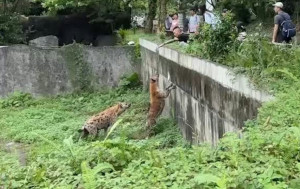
x,y
131,43
105,40
46,41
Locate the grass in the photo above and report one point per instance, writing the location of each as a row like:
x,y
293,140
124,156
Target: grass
x,y
60,117
131,36
266,157
48,126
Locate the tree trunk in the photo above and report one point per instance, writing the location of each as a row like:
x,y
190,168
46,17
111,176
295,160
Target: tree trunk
x,y
4,6
151,15
162,14
15,6
181,14
159,15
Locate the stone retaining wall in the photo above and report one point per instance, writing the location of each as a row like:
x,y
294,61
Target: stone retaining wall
x,y
209,100
51,71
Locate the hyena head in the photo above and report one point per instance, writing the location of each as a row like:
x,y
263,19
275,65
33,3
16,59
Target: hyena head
x,y
123,106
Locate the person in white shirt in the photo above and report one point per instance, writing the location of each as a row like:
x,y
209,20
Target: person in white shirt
x,y
193,21
209,17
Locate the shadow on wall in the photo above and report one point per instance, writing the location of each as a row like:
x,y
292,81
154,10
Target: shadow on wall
x,y
76,28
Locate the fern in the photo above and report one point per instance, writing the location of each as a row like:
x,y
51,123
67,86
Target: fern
x,y
206,178
289,74
89,175
70,145
48,142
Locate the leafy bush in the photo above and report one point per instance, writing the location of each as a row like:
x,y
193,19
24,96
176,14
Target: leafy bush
x,y
130,81
17,100
123,33
215,43
239,9
11,29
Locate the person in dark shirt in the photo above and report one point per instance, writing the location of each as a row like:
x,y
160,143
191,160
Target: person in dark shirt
x,y
179,35
279,18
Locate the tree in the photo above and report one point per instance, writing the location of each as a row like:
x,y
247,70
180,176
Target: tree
x,y
152,6
12,6
100,7
4,6
162,14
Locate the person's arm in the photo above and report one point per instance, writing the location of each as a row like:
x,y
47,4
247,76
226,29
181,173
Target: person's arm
x,y
276,26
167,42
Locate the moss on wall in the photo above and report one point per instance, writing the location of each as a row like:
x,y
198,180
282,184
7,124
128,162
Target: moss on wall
x,y
79,70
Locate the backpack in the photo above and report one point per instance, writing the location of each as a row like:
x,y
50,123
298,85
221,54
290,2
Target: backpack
x,y
288,28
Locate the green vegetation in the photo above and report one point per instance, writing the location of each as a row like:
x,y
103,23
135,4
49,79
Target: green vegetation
x,y
214,43
11,29
56,159
267,155
131,36
273,68
99,8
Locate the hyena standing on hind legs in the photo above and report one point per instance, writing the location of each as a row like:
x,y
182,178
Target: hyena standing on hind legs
x,y
157,100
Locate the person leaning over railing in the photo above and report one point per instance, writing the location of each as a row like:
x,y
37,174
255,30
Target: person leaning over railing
x,y
178,36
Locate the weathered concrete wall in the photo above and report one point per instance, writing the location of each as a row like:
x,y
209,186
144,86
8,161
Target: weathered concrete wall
x,y
51,71
208,100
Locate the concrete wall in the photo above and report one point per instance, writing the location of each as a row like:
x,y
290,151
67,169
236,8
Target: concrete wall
x,y
209,101
50,71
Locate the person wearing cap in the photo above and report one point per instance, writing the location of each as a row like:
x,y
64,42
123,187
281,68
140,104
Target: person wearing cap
x,y
279,18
